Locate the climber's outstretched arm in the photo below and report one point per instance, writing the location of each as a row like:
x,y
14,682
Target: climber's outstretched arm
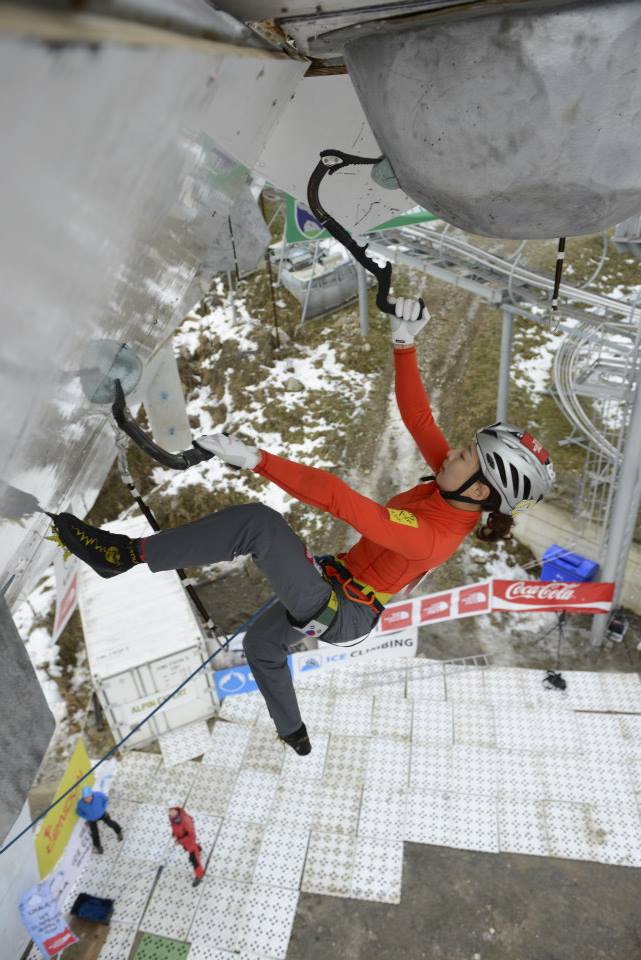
x,y
411,396
399,530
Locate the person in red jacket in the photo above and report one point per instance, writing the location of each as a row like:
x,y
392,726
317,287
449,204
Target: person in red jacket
x,y
184,831
340,597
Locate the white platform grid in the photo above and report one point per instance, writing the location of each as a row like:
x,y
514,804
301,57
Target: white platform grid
x,y
476,758
185,743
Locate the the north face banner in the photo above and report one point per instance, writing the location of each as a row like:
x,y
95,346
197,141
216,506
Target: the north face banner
x,y
531,595
452,604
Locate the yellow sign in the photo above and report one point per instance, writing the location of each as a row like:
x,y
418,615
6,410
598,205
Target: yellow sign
x,y
57,826
402,516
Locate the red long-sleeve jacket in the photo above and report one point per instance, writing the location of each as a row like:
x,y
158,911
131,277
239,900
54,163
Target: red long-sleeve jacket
x,y
413,532
185,831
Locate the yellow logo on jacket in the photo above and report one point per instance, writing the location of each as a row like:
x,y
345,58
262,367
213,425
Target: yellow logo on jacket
x,y
402,516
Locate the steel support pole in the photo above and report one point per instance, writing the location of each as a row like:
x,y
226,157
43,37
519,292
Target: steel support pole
x,y
363,306
230,292
507,331
625,510
283,251
309,285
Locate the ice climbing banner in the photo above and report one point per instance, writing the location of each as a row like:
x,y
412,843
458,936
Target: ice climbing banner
x,y
332,655
232,681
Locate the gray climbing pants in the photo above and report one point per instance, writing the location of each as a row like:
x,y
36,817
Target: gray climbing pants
x,y
256,529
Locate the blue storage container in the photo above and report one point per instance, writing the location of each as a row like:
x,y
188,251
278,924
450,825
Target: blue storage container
x,y
88,907
558,564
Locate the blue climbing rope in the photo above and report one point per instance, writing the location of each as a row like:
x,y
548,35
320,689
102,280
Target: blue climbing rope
x,y
144,720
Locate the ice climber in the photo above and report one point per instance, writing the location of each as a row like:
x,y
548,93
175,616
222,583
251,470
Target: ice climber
x,y
92,807
184,831
341,597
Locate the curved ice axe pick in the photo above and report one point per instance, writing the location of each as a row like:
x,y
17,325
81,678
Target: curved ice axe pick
x,y
176,461
331,161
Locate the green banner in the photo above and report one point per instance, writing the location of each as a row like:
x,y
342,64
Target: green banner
x,y
303,225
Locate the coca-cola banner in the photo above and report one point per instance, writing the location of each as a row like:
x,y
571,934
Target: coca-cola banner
x,y
490,595
531,595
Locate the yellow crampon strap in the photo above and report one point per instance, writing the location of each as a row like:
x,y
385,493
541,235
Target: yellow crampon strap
x,y
54,536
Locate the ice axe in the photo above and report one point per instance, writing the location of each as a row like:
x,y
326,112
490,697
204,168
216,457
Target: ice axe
x,y
331,161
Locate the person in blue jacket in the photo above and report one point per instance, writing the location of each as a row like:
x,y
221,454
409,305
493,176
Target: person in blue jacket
x,y
92,807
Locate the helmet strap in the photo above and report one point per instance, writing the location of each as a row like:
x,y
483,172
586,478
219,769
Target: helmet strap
x,y
457,495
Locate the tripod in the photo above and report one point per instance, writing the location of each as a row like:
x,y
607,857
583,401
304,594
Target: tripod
x,y
553,678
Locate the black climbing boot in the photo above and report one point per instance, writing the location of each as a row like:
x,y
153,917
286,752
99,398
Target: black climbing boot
x,y
299,741
107,553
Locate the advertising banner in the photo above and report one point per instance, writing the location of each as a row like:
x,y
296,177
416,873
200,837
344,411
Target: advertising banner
x,y
468,601
401,620
534,595
302,225
332,655
474,599
66,573
396,616
44,922
78,849
489,596
234,680
238,680
57,826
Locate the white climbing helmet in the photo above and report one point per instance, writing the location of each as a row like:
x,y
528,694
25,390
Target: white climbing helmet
x,y
516,465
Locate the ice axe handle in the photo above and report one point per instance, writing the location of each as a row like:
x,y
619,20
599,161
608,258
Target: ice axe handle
x,y
384,276
330,162
175,461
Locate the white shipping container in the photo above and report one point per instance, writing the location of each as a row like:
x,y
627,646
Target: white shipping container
x,y
143,639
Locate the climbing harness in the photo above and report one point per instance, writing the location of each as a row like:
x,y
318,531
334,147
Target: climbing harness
x,y
320,622
330,162
176,461
352,589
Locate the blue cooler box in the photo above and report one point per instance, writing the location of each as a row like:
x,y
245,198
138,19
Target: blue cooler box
x,y
558,564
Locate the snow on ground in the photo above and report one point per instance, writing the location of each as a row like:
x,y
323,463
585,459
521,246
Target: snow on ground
x,y
625,292
43,652
532,373
317,368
